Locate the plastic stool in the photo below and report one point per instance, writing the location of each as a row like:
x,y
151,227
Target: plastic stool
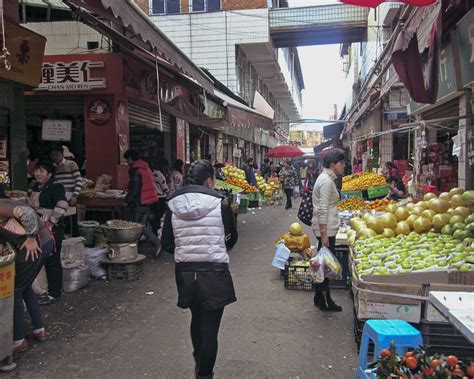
x,y
382,333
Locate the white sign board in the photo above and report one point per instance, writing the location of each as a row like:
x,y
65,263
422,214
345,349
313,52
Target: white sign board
x,y
56,130
73,76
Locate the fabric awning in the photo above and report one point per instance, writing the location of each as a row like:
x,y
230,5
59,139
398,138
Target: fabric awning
x,y
241,115
333,130
322,146
136,21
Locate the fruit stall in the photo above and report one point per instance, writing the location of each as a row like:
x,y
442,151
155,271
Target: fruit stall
x,y
364,185
399,256
396,255
249,196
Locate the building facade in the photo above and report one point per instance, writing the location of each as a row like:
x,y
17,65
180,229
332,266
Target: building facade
x,y
430,139
231,40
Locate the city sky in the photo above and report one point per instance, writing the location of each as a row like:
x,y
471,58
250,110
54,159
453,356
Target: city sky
x,y
322,72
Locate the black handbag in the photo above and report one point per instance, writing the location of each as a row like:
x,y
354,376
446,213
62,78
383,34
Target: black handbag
x,y
305,213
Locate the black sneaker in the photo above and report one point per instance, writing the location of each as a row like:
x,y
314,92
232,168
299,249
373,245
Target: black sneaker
x,y
48,300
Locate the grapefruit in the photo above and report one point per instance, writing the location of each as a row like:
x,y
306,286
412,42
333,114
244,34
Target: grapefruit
x,y
389,221
468,197
422,225
439,205
296,229
445,196
440,221
401,214
402,228
429,196
457,201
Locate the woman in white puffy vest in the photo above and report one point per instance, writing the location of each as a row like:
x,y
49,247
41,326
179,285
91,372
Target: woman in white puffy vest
x,y
199,229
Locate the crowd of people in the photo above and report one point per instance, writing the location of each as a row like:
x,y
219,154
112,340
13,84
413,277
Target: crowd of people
x,y
198,228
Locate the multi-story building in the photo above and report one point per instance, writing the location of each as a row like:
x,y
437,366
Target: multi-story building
x,y
384,123
306,136
231,39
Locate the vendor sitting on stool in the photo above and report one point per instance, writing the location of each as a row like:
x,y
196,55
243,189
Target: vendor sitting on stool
x,y
397,188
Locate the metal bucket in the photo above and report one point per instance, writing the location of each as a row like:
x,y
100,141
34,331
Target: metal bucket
x,y
122,251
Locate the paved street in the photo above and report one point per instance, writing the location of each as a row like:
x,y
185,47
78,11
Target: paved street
x,y
118,330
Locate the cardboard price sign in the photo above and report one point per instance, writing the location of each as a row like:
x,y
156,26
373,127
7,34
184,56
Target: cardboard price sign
x,y
7,277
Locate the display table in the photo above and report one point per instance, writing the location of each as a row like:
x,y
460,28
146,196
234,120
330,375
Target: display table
x,y
458,308
112,207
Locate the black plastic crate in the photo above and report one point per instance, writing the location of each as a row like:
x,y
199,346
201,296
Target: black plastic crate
x,y
298,277
125,271
444,338
343,280
253,203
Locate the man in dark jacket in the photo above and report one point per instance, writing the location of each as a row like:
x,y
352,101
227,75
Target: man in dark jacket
x,y
250,172
142,194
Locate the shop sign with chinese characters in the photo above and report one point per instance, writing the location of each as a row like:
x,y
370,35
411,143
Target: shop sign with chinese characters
x,y
71,76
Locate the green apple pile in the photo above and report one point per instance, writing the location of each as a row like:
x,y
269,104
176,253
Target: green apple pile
x,y
450,214
415,252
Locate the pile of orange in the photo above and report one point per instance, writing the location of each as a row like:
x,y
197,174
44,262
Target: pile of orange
x,y
379,205
242,184
351,204
362,181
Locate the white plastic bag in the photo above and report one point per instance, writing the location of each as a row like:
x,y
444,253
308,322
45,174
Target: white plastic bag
x,y
72,251
75,276
93,258
282,253
40,285
324,265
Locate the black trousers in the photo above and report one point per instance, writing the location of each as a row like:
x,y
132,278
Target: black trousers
x,y
157,212
204,331
52,265
324,286
289,194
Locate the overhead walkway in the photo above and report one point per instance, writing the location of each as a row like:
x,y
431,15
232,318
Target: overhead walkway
x,y
318,25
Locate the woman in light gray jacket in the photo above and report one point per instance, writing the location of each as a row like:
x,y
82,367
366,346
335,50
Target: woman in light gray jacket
x,y
325,223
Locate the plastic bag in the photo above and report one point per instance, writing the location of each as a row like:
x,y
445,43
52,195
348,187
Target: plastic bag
x,y
40,285
75,276
93,258
295,243
72,251
282,253
324,265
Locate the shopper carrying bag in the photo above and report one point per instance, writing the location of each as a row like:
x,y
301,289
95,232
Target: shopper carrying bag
x,y
326,221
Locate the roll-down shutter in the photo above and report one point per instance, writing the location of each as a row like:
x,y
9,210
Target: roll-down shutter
x,y
147,116
54,105
4,118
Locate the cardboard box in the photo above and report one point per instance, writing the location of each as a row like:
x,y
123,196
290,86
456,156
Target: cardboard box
x,y
430,313
386,300
403,296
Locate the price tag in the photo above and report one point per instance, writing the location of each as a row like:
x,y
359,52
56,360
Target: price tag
x,y
7,277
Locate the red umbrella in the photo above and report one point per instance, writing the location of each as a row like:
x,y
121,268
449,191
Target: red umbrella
x,y
376,3
285,151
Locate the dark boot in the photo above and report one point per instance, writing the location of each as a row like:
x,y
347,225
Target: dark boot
x,y
205,376
331,305
196,361
319,300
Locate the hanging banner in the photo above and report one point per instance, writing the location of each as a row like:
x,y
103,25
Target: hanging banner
x,y
26,55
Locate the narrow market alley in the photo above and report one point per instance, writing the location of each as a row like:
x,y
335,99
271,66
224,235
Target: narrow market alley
x,y
134,329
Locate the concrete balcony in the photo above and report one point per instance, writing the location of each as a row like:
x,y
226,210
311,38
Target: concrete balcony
x,y
318,25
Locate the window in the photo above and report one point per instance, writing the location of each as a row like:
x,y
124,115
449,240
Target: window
x,y
165,6
206,5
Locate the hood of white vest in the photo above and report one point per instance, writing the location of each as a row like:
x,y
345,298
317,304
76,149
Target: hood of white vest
x,y
193,206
